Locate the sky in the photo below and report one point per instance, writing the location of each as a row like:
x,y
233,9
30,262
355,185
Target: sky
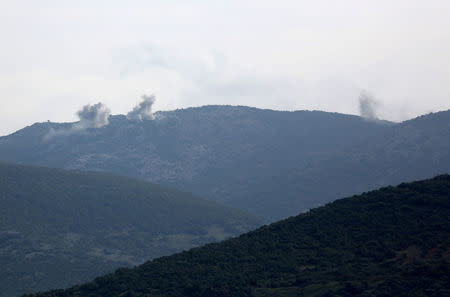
x,y
57,56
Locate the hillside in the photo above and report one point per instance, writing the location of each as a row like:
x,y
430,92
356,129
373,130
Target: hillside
x,y
271,163
59,227
391,242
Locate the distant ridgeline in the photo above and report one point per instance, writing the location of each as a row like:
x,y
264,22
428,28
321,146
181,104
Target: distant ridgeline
x,y
271,163
59,228
391,242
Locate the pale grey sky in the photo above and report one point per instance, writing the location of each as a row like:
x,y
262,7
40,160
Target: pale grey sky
x,y
57,56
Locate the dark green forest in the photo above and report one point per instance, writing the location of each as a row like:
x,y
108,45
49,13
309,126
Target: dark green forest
x,y
391,242
60,227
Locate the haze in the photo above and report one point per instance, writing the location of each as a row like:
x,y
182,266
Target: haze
x,y
57,56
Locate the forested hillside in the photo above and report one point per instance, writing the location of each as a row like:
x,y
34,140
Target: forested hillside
x,y
59,227
270,163
391,242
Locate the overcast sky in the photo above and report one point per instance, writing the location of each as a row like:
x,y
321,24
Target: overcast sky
x,y
56,56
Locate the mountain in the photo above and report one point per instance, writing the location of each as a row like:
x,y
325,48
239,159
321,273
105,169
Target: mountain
x,y
271,163
391,242
60,227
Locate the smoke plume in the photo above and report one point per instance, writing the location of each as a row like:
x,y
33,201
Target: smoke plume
x,y
143,111
368,106
93,116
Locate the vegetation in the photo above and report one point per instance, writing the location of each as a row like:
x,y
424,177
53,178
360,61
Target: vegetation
x,y
271,163
390,242
60,227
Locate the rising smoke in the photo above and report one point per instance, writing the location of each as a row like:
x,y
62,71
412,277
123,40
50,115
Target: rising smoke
x,y
97,116
93,116
143,111
368,106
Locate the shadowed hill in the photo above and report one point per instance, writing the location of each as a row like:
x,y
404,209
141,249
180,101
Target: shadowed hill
x,y
270,163
59,227
391,242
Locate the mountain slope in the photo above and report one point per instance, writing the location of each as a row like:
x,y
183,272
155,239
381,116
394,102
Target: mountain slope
x,y
391,242
59,227
271,163
415,149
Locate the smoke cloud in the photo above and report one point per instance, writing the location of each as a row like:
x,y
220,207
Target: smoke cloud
x,y
143,111
93,116
368,106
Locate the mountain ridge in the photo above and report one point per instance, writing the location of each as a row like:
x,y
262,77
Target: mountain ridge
x,y
390,242
247,158
60,227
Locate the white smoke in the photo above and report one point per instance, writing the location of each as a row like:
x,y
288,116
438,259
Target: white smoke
x,y
143,111
368,106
